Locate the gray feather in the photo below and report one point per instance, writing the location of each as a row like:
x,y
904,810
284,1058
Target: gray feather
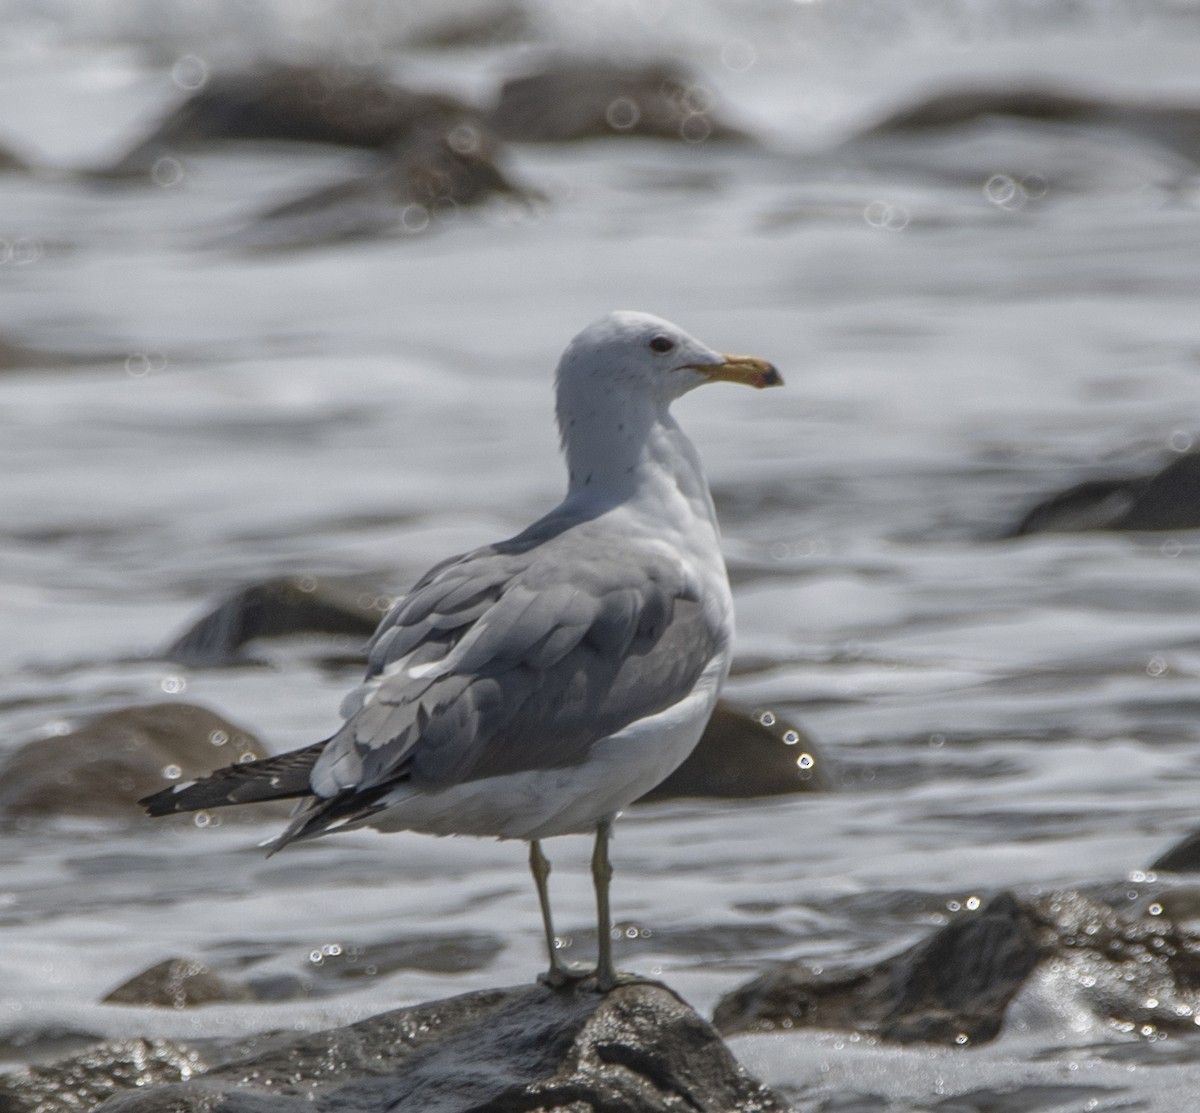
x,y
540,647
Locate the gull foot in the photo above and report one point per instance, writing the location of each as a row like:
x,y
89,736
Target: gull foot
x,y
566,977
587,978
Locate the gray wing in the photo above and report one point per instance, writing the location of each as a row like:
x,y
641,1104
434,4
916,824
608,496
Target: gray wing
x,y
518,656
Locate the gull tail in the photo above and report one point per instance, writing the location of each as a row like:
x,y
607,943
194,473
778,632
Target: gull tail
x,y
272,778
351,808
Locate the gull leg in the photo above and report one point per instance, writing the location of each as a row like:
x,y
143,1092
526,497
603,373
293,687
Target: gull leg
x,y
606,974
539,866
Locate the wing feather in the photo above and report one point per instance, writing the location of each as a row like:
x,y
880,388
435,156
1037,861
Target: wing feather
x,y
531,654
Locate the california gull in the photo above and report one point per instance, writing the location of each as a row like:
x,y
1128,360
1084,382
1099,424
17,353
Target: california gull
x,y
537,686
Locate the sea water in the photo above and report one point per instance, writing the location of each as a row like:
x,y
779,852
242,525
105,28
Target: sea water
x,y
963,327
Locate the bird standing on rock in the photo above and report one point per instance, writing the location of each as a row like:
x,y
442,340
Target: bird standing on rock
x,y
537,686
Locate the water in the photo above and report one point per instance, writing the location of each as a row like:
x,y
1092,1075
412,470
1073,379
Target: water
x,y
1000,713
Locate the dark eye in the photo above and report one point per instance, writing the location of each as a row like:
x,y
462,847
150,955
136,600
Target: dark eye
x,y
661,344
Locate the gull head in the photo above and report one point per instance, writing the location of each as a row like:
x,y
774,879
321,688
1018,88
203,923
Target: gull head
x,y
615,384
644,359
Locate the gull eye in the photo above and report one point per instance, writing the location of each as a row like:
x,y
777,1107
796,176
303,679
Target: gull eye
x,y
662,344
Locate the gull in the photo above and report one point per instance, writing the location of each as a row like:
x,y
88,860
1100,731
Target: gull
x,y
538,686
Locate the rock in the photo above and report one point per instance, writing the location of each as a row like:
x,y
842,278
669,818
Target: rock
x,y
451,953
279,608
1183,857
637,1048
33,1043
1167,500
492,24
82,1081
419,185
16,356
183,983
341,105
1136,967
962,106
742,754
587,98
1175,127
176,983
102,769
11,162
951,988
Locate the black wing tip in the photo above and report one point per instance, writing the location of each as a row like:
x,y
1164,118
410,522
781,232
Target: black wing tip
x,y
163,802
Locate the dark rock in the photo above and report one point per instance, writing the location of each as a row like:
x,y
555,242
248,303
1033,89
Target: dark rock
x,y
439,954
181,983
526,1048
279,608
11,163
419,185
1175,127
1167,500
33,1044
84,1080
953,988
492,24
341,105
587,98
176,983
961,106
1134,966
103,768
1183,857
15,356
742,754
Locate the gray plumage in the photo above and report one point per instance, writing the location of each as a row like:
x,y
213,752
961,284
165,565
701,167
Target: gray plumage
x,y
536,648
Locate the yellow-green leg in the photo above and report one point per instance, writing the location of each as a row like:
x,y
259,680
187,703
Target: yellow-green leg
x,y
606,974
539,866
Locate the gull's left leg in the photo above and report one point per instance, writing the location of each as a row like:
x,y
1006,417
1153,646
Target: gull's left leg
x,y
606,974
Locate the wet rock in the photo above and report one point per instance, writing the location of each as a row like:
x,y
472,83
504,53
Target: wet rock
x,y
1137,967
16,356
961,106
183,983
638,1048
103,768
279,608
418,186
341,105
1175,127
438,954
177,983
491,24
82,1081
951,988
1167,500
11,162
1183,857
27,1043
587,98
1134,967
744,753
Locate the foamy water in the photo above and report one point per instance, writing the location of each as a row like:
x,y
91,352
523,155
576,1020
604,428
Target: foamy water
x,y
1002,714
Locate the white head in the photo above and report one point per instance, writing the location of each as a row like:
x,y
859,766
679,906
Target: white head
x,y
628,353
618,377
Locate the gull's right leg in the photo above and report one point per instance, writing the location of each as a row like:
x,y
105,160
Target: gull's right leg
x,y
539,866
